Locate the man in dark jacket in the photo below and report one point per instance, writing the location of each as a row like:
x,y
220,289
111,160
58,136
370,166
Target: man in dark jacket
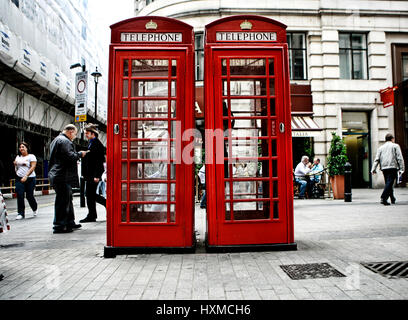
x,y
92,170
63,176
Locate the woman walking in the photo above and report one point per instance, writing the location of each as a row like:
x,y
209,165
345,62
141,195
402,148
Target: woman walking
x,y
25,164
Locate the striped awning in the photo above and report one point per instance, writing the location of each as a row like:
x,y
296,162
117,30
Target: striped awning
x,y
304,126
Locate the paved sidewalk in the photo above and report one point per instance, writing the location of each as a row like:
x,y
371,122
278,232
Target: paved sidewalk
x,y
37,264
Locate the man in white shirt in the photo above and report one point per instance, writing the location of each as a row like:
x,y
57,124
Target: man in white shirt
x,y
301,170
389,158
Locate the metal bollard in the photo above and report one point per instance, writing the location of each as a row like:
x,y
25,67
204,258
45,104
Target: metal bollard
x,y
347,182
82,192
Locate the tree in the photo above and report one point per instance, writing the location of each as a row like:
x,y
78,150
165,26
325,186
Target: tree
x,y
337,157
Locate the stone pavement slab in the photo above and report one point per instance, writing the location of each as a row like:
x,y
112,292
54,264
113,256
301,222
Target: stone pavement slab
x,y
38,264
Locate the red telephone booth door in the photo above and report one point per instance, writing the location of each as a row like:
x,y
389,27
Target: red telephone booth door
x,y
252,202
149,205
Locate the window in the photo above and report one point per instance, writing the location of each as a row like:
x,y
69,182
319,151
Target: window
x,y
199,56
297,55
404,66
83,33
353,55
16,2
149,2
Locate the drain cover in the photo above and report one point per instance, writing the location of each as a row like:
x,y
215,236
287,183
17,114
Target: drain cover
x,y
390,269
310,271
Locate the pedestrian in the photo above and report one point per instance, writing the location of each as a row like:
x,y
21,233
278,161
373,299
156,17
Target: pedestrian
x,y
24,165
92,170
389,158
302,169
4,224
63,176
201,175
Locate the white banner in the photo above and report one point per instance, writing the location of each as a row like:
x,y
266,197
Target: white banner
x,y
246,36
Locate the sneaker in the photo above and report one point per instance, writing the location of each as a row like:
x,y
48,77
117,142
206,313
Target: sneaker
x,y
87,220
385,202
35,213
19,217
66,230
393,200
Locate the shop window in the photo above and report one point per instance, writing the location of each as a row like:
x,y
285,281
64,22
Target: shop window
x,y
297,55
353,55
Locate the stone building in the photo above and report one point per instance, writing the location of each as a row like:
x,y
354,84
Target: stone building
x,y
40,41
342,53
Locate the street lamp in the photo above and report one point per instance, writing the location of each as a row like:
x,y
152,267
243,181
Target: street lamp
x,y
96,76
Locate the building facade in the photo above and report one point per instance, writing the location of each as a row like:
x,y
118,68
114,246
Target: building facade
x,y
341,53
40,41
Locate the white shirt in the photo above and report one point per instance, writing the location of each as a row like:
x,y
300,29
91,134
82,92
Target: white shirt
x,y
201,174
24,164
301,170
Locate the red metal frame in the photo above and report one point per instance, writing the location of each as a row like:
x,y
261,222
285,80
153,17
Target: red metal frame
x,y
123,233
272,230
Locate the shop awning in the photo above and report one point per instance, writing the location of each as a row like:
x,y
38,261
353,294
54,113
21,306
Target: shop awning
x,y
305,126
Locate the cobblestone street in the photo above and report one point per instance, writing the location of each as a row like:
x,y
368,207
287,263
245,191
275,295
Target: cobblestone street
x,y
38,264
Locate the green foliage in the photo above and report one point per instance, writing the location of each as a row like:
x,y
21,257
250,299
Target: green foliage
x,y
337,157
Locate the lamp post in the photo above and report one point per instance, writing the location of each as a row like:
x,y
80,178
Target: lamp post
x,y
96,76
81,179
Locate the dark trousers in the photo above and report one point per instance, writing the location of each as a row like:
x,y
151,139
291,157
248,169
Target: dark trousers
x,y
203,203
26,188
63,208
390,175
92,198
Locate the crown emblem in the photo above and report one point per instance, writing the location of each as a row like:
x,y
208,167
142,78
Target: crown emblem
x,y
151,25
246,25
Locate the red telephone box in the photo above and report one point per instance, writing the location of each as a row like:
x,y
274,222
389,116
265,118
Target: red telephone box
x,y
150,199
249,191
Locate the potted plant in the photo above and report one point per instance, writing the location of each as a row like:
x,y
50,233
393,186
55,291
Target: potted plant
x,y
336,160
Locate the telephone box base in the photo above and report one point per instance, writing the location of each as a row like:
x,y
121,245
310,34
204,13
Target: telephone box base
x,y
112,252
251,247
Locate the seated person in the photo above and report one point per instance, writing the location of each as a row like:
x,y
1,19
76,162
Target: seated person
x,y
317,168
302,169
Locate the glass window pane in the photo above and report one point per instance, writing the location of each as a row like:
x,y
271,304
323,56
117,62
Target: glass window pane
x,y
125,88
250,190
276,210
148,192
125,109
148,213
359,65
150,68
275,191
345,64
404,67
148,171
249,128
228,208
124,212
248,66
344,41
298,41
224,70
251,210
152,88
358,41
255,87
124,150
124,192
149,108
272,87
126,68
248,107
174,68
151,129
248,148
145,150
271,67
124,170
298,60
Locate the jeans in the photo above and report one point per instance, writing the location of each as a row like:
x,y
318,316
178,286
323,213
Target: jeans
x,y
63,208
303,187
27,188
390,175
203,203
